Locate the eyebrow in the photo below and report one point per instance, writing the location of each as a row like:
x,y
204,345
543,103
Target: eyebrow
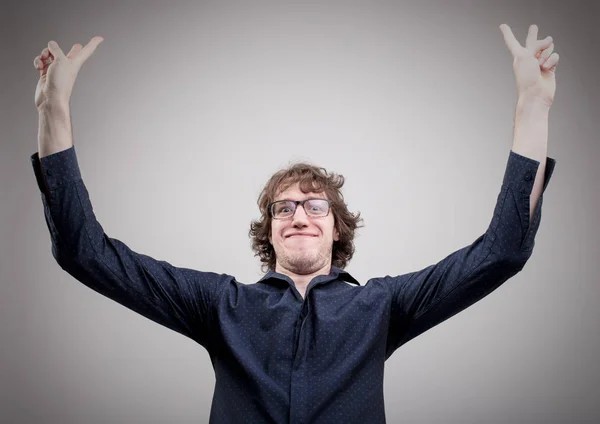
x,y
308,198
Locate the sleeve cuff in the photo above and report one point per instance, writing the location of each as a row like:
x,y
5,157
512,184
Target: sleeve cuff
x,y
55,170
521,171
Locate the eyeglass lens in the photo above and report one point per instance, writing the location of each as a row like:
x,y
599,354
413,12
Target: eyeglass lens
x,y
313,207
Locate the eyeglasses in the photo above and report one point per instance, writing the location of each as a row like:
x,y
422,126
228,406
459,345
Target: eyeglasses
x,y
284,209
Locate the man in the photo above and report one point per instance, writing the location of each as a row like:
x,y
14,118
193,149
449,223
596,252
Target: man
x,y
307,343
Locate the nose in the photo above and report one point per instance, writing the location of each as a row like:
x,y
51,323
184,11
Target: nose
x,y
300,218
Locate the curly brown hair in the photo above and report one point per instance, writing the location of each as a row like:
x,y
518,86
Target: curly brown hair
x,y
314,179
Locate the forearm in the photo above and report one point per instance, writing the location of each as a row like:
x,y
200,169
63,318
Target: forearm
x,y
54,130
531,140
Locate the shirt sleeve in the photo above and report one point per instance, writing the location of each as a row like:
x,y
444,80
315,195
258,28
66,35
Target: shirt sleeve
x,y
181,299
423,299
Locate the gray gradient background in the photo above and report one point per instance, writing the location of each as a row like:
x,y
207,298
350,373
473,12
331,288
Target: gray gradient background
x,y
188,105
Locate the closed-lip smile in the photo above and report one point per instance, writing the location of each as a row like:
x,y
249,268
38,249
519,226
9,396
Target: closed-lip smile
x,y
301,234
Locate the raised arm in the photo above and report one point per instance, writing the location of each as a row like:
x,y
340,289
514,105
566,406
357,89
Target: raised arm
x,y
534,66
178,298
423,299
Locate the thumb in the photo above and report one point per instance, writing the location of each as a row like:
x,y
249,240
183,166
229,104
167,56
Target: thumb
x,y
55,50
87,51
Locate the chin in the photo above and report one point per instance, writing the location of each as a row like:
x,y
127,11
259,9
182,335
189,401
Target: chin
x,y
305,264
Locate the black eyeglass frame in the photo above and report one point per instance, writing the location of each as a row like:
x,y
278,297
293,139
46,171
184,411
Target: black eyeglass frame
x,y
300,202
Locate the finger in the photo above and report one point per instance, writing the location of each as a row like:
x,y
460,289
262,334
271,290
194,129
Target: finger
x,y
551,62
48,60
544,55
55,50
39,62
74,50
531,36
510,40
87,51
542,44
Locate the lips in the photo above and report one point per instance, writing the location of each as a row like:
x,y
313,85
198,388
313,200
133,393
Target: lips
x,y
300,235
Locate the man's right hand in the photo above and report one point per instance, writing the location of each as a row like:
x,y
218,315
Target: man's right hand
x,y
58,72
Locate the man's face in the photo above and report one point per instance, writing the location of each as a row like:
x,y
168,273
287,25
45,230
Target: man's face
x,y
302,254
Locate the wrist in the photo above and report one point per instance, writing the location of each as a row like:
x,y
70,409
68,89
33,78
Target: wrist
x,y
530,138
532,107
54,130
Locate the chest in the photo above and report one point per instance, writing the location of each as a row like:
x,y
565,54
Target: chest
x,y
278,328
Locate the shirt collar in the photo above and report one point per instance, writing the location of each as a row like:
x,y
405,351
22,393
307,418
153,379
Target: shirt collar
x,y
334,274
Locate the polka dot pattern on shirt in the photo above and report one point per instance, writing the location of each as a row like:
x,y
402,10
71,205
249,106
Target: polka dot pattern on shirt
x,y
277,357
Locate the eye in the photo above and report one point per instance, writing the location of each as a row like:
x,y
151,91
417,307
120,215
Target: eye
x,y
318,205
282,208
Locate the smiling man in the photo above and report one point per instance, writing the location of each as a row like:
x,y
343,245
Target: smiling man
x,y
302,235
306,343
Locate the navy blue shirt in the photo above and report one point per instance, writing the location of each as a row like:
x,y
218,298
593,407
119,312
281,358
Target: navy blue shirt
x,y
279,358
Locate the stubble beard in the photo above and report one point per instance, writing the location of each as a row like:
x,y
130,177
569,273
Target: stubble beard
x,y
304,262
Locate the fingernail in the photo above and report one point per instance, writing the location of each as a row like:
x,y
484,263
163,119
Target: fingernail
x,y
52,44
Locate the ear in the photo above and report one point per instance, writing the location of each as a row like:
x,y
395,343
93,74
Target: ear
x,y
336,235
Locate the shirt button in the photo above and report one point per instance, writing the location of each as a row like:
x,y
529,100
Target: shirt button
x,y
528,176
49,172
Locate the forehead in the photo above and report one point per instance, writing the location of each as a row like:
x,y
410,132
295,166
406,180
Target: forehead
x,y
293,192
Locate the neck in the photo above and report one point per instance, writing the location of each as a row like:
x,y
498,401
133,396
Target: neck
x,y
301,281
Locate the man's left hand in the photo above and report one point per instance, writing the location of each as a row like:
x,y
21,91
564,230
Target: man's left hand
x,y
534,65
